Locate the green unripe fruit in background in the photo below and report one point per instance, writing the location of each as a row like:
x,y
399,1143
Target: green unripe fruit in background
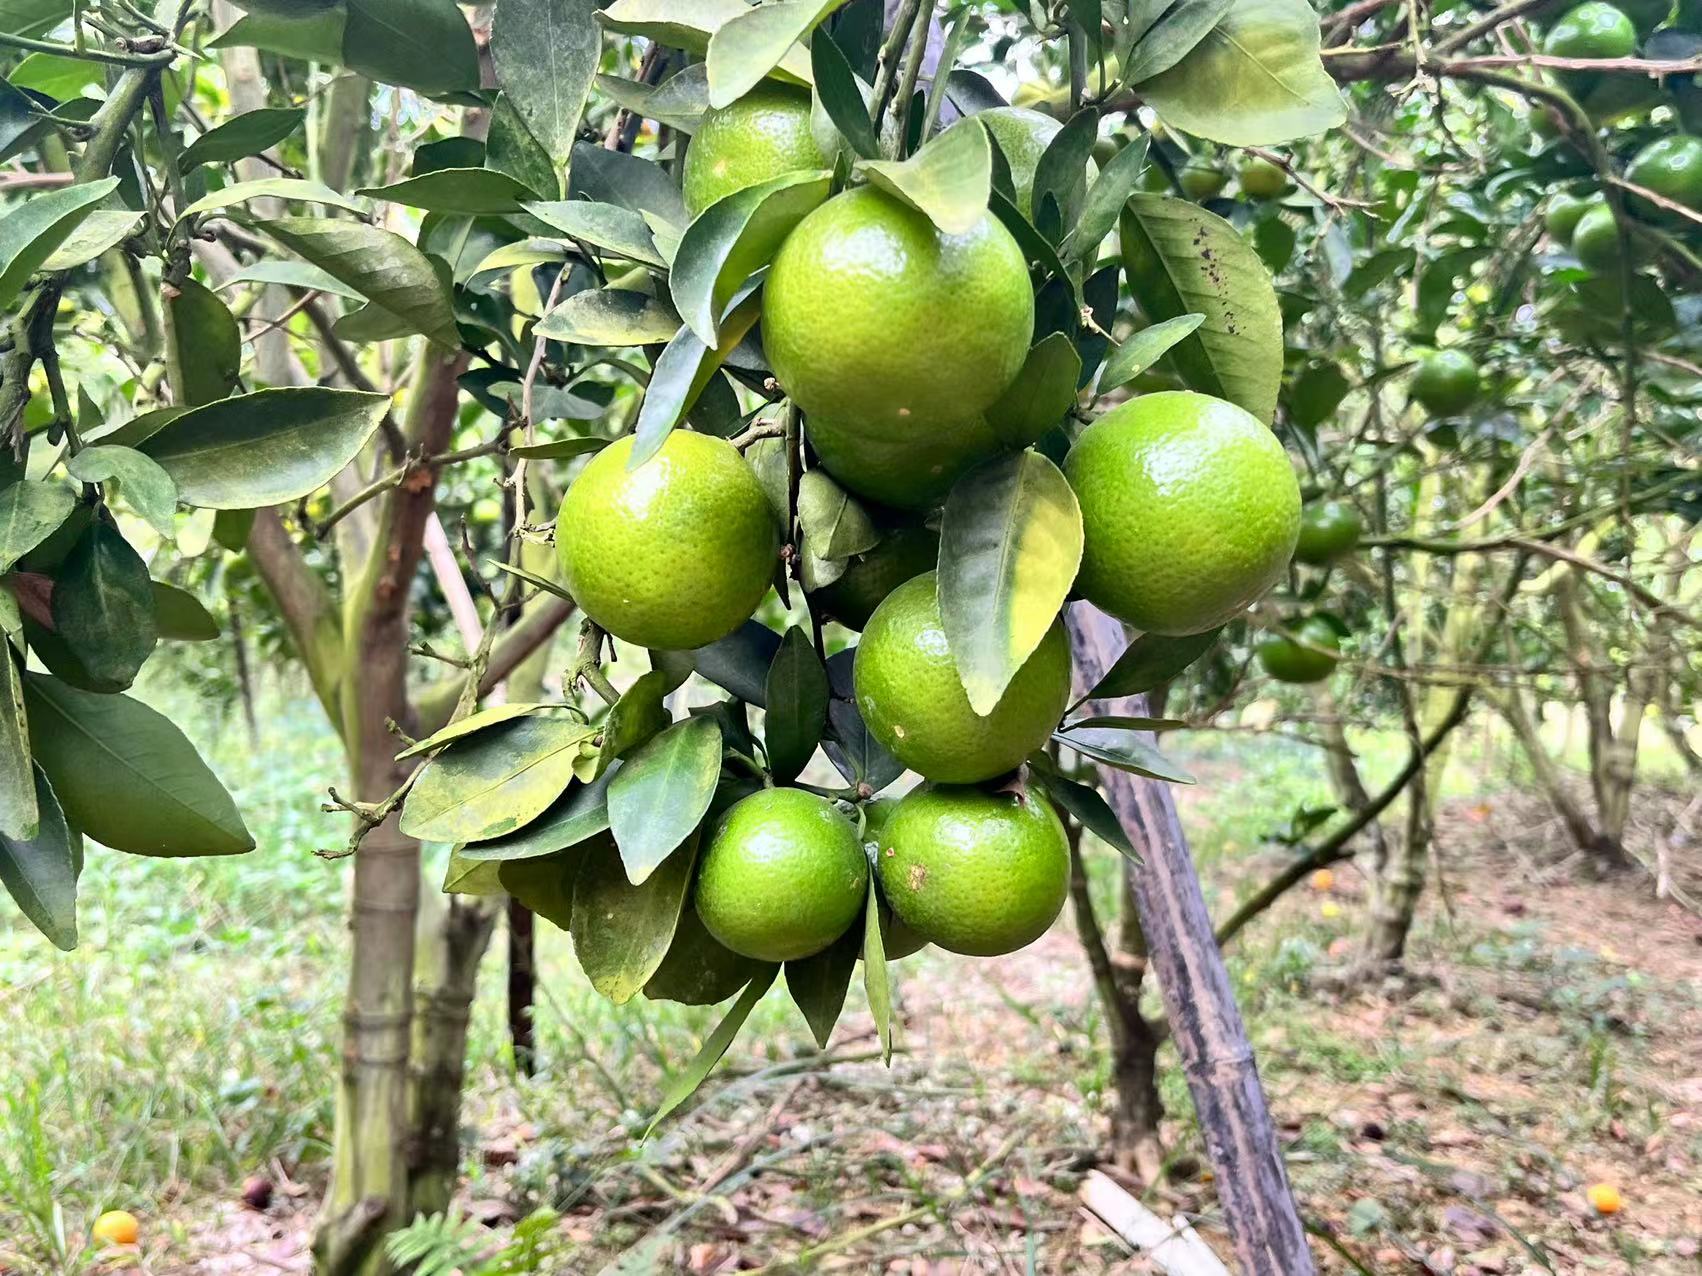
x,y
1288,660
1671,167
1563,214
1328,529
759,137
1202,181
1595,241
903,553
1261,179
783,876
972,871
1592,30
1446,382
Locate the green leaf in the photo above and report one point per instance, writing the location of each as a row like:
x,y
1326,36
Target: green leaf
x,y
836,86
818,984
231,529
139,478
532,578
32,230
1010,544
1105,199
622,929
626,181
291,188
19,811
714,1046
732,239
100,231
635,719
1151,661
1042,393
877,983
247,134
797,695
510,148
834,525
660,795
616,230
1035,246
679,101
690,25
1181,27
264,448
209,343
610,317
103,607
472,724
949,180
30,512
180,616
1123,748
471,192
575,817
546,54
1180,260
558,449
522,255
40,871
494,782
682,370
383,267
311,37
462,876
1061,174
545,886
1088,807
419,44
1145,348
291,274
1255,80
32,18
127,777
63,78
1316,393
747,47
855,753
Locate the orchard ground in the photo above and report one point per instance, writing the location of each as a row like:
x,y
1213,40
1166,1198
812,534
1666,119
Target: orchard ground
x,y
1549,1039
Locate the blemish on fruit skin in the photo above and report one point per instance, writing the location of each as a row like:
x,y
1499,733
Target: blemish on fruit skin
x,y
916,877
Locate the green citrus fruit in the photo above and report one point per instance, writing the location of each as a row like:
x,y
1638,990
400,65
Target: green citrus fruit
x,y
1189,507
783,877
1592,30
1563,214
874,318
1446,382
1595,241
1202,181
1328,529
909,465
674,554
909,691
1261,179
759,137
1672,167
698,970
902,553
1288,660
898,940
972,871
1022,134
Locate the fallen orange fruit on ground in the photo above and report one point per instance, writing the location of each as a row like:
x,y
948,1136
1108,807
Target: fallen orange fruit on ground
x,y
1323,880
1603,1197
117,1227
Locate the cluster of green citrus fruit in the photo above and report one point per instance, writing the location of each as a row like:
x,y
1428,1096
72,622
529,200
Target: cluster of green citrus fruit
x,y
895,341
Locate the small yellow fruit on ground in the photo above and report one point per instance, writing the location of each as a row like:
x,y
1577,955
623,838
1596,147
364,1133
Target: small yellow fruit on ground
x,y
912,698
1329,910
761,136
1323,880
1604,1198
117,1227
674,554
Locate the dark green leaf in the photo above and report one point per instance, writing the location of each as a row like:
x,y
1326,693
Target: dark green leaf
x,y
1145,348
231,529
383,267
292,274
745,48
139,478
679,101
1010,545
613,229
740,662
797,695
512,149
546,885
836,85
419,44
126,776
949,180
264,448
1089,808
241,136
19,813
546,54
682,370
179,615
558,450
32,230
1035,246
627,181
1316,393
1170,39
29,513
834,526
103,607
659,796
575,817
101,230
610,317
622,929
40,871
818,984
494,782
1042,393
877,983
1180,260
1061,174
1124,749
292,188
311,37
635,719
1151,661
714,1046
208,342
854,752
522,255
1105,199
470,192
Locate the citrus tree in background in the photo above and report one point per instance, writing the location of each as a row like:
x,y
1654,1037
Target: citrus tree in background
x,y
780,346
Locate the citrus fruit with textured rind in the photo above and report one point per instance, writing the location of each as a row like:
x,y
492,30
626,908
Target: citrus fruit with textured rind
x,y
698,970
1671,167
1202,181
898,940
1592,30
117,1227
903,553
1328,529
759,137
1022,135
1299,659
1261,179
1190,511
912,699
783,877
875,318
973,871
674,554
909,465
1446,382
1562,215
1595,241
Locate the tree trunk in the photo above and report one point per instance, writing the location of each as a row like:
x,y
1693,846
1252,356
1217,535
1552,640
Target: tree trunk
x,y
522,985
1584,835
1344,770
1217,1058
